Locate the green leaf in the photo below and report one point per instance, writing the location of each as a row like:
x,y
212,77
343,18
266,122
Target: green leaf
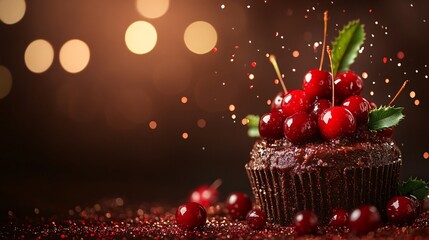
x,y
415,187
253,132
253,120
346,46
384,117
253,124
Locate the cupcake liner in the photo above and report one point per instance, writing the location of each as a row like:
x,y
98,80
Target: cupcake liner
x,y
281,194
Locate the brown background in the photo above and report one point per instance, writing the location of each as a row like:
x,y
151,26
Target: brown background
x,y
63,140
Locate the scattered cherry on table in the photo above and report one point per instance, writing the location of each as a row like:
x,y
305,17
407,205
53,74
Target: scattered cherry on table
x,y
191,215
305,222
340,218
256,219
364,219
206,195
238,204
402,210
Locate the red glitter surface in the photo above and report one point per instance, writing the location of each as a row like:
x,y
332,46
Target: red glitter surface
x,y
123,222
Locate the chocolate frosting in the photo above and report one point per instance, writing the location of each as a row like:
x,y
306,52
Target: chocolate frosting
x,y
366,149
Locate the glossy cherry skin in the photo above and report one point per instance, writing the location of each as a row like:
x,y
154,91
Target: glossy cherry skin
x,y
336,122
295,101
347,84
305,222
402,210
271,125
364,219
256,219
300,128
359,107
238,205
204,195
318,107
277,101
388,132
191,215
340,218
372,105
317,84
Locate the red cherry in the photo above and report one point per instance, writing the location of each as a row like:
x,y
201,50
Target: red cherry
x,y
372,105
424,204
336,122
305,222
277,101
318,107
204,195
191,215
238,205
295,101
402,210
256,219
271,125
317,84
364,219
359,107
300,128
388,132
340,218
347,84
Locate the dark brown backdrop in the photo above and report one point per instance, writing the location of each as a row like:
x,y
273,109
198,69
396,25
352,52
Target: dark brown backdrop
x,y
58,148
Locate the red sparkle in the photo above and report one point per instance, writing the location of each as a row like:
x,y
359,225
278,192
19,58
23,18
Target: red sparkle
x,y
385,60
370,10
253,64
400,55
214,49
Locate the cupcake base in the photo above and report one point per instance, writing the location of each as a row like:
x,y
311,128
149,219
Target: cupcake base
x,y
281,194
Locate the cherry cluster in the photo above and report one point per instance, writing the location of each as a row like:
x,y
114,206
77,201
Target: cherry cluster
x,y
400,210
238,205
304,115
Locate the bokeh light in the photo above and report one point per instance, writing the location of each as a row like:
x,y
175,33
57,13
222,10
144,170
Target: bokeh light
x,y
141,37
74,56
39,56
152,125
201,123
185,135
184,99
200,37
5,81
416,102
12,11
152,8
231,107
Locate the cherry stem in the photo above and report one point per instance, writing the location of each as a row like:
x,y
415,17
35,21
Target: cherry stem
x,y
216,183
325,29
328,50
399,92
276,68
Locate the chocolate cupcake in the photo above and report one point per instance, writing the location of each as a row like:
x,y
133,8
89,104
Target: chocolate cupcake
x,y
325,147
286,178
